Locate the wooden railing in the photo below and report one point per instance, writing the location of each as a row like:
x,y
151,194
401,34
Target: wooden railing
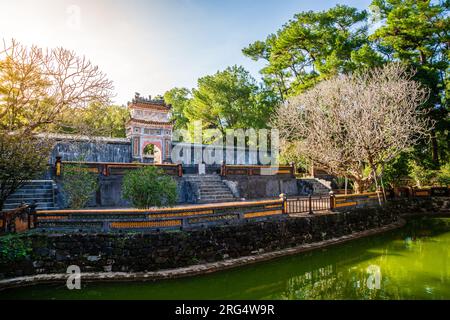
x,y
310,204
307,205
17,220
185,217
117,168
256,170
355,200
419,192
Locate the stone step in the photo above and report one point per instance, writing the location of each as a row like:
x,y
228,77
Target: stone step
x,y
43,194
29,200
205,180
197,176
202,176
210,184
36,187
39,191
216,200
214,193
217,196
215,188
40,205
211,188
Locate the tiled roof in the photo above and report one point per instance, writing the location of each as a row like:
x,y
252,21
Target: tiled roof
x,y
81,137
149,104
150,122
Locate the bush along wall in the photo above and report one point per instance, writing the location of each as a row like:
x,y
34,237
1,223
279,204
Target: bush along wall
x,y
139,252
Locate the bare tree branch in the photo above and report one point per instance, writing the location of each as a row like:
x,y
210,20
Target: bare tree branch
x,y
37,86
352,122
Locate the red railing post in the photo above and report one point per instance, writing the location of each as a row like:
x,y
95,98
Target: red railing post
x,y
180,170
332,200
3,221
310,204
58,166
32,215
284,203
223,169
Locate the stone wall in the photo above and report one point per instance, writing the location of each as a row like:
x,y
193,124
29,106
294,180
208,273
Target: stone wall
x,y
248,187
91,150
258,187
109,193
138,252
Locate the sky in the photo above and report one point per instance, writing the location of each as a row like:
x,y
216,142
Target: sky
x,y
152,46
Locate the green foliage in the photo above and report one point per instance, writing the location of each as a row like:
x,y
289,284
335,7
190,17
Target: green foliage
x,y
95,120
149,187
314,46
416,33
79,185
14,247
22,157
421,175
18,108
179,99
38,86
443,176
397,171
289,154
230,99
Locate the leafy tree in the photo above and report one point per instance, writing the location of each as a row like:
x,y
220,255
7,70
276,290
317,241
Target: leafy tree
x,y
422,176
397,170
314,46
179,99
230,99
22,158
148,187
416,33
289,154
352,125
79,185
38,86
95,120
443,177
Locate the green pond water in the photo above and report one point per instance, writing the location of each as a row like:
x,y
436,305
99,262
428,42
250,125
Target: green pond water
x,y
410,263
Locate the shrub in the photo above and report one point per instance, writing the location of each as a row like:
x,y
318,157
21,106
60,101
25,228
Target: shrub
x,y
148,187
421,175
22,157
14,247
79,185
443,177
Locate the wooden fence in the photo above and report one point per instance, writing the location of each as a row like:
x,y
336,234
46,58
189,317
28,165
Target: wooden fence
x,y
115,168
419,192
308,205
17,220
256,170
186,217
356,200
189,217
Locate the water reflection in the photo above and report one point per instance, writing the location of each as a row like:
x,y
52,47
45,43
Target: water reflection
x,y
412,263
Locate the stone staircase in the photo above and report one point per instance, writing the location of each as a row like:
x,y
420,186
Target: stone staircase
x,y
320,187
41,191
211,188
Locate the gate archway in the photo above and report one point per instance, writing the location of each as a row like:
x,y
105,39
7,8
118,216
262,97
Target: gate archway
x,y
152,152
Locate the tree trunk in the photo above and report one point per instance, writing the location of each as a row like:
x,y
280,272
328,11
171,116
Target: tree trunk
x,y
357,186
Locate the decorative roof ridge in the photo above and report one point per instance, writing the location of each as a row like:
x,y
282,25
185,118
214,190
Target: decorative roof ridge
x,y
149,101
